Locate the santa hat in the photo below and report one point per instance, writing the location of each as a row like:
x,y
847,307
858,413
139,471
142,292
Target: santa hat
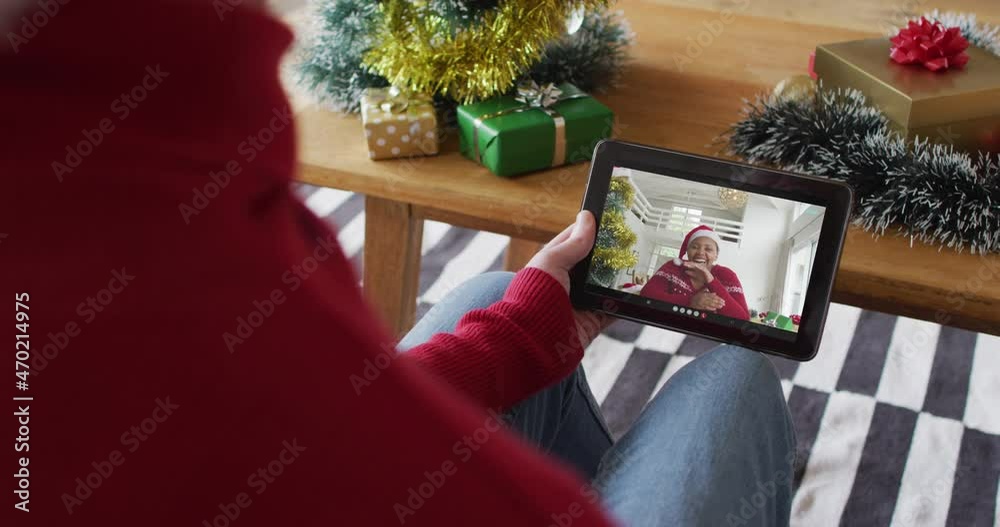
x,y
701,231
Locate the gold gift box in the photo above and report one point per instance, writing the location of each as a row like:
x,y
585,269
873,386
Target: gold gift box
x,y
957,106
398,124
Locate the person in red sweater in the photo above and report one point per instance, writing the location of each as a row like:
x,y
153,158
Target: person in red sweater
x,y
200,354
698,281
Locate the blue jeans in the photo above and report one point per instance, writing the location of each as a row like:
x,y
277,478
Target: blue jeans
x,y
714,447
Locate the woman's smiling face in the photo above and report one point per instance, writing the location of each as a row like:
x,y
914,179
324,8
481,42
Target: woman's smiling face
x,y
703,250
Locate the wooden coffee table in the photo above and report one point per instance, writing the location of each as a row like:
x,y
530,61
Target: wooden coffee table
x,y
692,67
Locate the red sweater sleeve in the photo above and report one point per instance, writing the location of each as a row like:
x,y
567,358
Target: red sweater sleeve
x,y
728,287
501,355
200,352
659,284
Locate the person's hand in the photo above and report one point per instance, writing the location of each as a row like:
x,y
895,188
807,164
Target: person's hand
x,y
707,301
698,271
560,255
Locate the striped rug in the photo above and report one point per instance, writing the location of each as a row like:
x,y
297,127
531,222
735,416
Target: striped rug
x,y
898,420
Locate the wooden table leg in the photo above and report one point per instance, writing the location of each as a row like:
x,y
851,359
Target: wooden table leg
x,y
518,253
393,235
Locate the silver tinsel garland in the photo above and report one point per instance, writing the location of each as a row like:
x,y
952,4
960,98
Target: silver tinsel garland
x,y
930,192
980,35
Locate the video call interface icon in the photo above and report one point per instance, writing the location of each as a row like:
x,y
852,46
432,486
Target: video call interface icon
x,y
690,312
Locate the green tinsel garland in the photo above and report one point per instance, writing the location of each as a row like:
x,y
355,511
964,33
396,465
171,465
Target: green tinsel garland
x,y
592,58
613,249
330,63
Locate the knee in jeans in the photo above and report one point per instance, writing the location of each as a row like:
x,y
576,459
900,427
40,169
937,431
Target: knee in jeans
x,y
571,380
737,367
744,358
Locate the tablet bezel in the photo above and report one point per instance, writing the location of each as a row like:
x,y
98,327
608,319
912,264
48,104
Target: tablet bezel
x,y
836,197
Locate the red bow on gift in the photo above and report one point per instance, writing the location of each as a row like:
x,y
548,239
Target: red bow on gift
x,y
931,44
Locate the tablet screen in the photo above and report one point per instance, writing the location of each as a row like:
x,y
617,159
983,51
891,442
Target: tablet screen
x,y
716,253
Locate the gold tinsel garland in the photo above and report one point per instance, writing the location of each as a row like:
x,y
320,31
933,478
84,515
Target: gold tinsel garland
x,y
616,259
620,185
619,255
423,52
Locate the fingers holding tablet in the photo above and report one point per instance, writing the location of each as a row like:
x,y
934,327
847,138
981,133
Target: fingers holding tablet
x,y
564,251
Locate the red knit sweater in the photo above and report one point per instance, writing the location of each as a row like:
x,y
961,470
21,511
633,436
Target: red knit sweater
x,y
672,284
200,353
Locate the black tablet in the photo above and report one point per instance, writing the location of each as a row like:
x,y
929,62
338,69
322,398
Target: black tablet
x,y
735,253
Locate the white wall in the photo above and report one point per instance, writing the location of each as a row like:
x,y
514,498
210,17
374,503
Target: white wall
x,y
802,233
759,261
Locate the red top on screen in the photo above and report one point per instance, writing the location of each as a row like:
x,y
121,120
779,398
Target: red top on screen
x,y
671,284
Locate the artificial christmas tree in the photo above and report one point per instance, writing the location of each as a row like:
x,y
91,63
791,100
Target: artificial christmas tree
x,y
613,250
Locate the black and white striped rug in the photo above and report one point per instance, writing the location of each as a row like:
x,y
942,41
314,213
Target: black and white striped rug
x,y
898,420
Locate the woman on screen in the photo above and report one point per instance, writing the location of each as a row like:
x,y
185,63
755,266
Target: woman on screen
x,y
697,281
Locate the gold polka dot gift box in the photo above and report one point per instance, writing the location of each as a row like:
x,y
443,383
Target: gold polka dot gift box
x,y
398,124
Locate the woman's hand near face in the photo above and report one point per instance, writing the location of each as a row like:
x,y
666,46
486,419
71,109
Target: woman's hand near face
x,y
698,271
707,301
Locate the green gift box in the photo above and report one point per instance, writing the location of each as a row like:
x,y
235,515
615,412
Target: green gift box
x,y
779,321
783,322
540,127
